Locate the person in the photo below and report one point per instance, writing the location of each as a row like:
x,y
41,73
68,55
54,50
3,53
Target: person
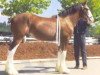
x,y
79,43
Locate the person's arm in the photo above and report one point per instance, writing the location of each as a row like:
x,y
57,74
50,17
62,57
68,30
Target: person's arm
x,y
83,26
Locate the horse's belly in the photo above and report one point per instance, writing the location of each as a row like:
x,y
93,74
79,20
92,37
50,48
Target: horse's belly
x,y
44,31
46,36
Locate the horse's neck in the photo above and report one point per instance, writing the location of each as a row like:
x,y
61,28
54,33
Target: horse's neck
x,y
74,18
69,22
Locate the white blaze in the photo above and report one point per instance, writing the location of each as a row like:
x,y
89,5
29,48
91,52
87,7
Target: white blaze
x,y
90,16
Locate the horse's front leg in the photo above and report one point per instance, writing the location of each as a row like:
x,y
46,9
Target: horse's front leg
x,y
58,61
61,66
9,67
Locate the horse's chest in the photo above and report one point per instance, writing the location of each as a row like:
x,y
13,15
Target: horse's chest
x,y
67,31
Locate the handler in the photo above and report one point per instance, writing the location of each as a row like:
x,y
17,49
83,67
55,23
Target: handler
x,y
79,43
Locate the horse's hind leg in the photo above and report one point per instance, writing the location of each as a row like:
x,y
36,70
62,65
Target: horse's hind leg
x,y
9,68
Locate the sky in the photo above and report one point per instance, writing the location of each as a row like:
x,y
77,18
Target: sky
x,y
3,18
51,10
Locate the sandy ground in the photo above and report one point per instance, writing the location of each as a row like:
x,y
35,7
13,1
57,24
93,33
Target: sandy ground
x,y
47,67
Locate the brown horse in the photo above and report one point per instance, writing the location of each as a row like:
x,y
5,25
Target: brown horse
x,y
45,29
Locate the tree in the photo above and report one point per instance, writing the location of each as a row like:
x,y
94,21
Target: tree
x,y
68,3
93,4
95,30
19,6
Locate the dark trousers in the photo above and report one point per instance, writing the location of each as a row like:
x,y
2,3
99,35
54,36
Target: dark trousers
x,y
79,47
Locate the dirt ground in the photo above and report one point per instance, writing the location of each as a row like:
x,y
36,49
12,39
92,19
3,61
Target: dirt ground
x,y
43,50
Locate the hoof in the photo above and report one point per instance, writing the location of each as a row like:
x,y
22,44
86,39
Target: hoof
x,y
64,71
67,71
10,69
11,72
57,68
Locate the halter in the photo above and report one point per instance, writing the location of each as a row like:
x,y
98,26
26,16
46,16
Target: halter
x,y
89,17
58,31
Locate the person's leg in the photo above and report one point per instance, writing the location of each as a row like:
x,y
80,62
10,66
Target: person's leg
x,y
83,52
76,55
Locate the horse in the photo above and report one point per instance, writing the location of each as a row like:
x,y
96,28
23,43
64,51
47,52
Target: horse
x,y
44,29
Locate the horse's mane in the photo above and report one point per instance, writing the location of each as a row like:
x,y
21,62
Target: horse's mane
x,y
70,10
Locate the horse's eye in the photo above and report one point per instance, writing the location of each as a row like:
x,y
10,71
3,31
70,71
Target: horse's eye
x,y
85,9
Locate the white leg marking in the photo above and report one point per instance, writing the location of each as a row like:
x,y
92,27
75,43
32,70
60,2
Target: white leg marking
x,y
58,61
9,68
91,16
63,66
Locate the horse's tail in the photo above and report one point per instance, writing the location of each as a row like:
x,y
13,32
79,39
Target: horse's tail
x,y
10,20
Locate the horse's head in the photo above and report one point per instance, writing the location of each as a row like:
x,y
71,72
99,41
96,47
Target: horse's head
x,y
85,13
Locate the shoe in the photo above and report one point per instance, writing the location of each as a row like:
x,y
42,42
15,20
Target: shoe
x,y
76,67
84,67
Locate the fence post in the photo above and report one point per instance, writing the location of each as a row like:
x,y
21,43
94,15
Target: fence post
x,y
24,39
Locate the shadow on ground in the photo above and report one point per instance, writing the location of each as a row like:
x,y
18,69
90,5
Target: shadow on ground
x,y
3,73
33,69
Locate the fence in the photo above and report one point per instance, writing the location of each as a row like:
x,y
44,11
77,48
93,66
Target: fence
x,y
89,40
6,39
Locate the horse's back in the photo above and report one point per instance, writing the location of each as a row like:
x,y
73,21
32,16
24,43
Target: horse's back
x,y
24,23
29,17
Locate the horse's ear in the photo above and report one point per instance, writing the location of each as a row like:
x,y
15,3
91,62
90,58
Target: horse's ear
x,y
84,3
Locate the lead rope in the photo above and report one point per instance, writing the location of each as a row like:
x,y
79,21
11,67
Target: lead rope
x,y
58,32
